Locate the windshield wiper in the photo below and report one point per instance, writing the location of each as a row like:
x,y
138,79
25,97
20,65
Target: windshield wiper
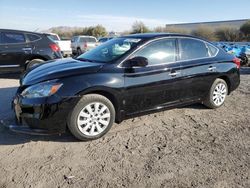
x,y
89,60
83,59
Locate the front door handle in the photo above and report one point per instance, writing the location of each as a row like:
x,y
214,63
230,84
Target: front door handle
x,y
211,68
173,73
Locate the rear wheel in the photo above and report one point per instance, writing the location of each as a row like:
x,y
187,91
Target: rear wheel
x,y
33,63
92,117
79,51
217,94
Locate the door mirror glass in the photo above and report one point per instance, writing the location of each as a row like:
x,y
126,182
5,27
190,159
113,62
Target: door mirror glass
x,y
138,61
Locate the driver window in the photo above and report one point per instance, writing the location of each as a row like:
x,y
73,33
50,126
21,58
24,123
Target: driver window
x,y
159,52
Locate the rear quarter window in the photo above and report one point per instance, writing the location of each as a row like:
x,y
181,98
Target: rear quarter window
x,y
212,50
12,38
33,37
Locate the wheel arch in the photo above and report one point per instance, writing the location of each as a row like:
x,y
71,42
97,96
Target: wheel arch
x,y
109,94
34,57
227,80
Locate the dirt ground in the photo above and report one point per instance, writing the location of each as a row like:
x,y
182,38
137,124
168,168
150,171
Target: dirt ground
x,y
186,147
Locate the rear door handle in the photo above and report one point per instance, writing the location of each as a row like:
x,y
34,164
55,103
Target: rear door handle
x,y
211,68
25,49
173,73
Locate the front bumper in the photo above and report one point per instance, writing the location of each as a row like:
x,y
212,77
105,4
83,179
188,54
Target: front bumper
x,y
43,115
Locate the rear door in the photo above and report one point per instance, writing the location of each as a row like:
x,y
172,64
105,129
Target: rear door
x,y
198,67
156,85
13,51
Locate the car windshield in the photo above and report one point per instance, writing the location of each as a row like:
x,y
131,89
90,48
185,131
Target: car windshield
x,y
111,50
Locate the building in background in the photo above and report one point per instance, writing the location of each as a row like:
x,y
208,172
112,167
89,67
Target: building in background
x,y
235,24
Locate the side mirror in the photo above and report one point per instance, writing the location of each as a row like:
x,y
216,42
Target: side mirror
x,y
138,62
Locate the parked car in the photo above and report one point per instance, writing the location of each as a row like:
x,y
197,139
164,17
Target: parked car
x,y
123,78
81,44
239,51
64,45
20,50
104,39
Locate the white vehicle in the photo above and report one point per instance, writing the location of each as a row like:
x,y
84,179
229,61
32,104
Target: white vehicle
x,y
82,43
64,45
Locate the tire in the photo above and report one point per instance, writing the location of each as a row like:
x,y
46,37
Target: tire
x,y
217,94
33,63
86,123
79,51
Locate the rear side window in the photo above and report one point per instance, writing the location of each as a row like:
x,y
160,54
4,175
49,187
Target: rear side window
x,y
192,49
159,52
12,37
33,37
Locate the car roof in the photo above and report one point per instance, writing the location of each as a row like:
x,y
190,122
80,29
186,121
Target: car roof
x,y
158,35
21,31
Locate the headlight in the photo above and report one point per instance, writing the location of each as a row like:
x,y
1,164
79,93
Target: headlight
x,y
41,90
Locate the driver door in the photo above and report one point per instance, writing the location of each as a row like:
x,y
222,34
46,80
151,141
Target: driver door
x,y
156,85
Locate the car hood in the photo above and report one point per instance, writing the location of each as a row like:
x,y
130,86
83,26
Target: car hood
x,y
57,69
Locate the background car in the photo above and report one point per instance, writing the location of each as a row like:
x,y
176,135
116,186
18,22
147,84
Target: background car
x,y
20,50
123,78
104,39
81,44
239,50
64,45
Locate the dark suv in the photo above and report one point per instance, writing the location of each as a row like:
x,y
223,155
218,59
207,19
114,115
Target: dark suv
x,y
20,50
123,78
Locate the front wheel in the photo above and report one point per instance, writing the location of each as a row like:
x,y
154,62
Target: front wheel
x,y
217,94
92,117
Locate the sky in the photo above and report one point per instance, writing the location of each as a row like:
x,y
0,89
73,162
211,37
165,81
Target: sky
x,y
116,15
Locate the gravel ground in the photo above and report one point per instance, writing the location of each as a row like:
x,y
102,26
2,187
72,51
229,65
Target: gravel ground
x,y
184,147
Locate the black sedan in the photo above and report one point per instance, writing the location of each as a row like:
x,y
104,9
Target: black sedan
x,y
125,77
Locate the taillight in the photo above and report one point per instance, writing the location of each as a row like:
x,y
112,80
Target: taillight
x,y
85,45
54,47
237,62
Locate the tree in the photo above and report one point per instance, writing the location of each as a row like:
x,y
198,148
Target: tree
x,y
97,31
228,34
245,30
173,29
139,27
204,32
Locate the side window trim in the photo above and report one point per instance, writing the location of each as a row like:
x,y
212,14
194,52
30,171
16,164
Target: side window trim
x,y
205,43
120,65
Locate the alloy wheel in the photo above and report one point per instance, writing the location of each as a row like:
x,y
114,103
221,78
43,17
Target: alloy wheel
x,y
93,119
219,94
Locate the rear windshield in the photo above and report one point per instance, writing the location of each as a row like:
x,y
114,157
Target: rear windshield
x,y
53,37
87,39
